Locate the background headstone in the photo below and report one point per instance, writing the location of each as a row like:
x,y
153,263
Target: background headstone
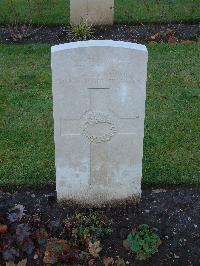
x,y
99,90
98,12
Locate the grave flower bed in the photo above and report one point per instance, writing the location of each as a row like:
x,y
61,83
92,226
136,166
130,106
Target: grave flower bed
x,y
36,230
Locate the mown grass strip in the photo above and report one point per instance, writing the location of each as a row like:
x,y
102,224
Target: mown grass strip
x,y
171,145
56,12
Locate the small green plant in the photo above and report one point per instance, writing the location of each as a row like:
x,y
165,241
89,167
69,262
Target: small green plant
x,y
84,226
82,31
57,248
98,231
144,242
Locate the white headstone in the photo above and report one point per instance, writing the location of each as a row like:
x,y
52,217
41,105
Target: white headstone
x,y
99,90
97,12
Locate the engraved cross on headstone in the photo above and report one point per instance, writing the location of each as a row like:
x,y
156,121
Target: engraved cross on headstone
x,y
99,126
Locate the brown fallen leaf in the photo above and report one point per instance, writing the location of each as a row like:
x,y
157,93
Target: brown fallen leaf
x,y
187,41
159,242
48,258
41,234
172,39
169,32
94,248
152,42
21,263
108,261
3,228
10,263
154,37
53,248
126,244
120,262
92,262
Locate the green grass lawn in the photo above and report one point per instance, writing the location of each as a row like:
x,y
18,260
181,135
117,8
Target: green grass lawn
x,y
171,150
171,133
56,12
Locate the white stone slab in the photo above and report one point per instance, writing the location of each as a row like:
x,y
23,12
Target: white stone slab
x,y
98,12
99,91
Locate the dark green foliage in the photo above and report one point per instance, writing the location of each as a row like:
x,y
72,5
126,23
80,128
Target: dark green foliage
x,y
26,235
10,254
144,242
83,226
57,248
18,239
99,231
22,232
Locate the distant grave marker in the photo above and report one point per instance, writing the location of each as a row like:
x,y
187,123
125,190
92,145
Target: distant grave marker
x,y
98,12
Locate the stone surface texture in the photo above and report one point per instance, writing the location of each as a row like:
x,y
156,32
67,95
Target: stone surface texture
x,y
99,91
98,12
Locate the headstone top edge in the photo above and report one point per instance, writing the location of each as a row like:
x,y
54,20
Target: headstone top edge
x,y
98,43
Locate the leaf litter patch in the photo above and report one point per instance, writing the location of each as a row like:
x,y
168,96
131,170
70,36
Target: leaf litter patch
x,y
163,229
